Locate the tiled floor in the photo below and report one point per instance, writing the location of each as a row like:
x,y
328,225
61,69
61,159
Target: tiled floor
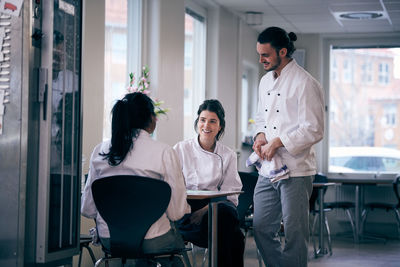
x,y
345,254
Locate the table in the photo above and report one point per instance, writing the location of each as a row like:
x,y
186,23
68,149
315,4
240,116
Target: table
x,y
359,183
213,197
321,186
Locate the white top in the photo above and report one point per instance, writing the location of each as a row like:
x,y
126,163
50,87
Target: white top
x,y
291,107
148,158
204,170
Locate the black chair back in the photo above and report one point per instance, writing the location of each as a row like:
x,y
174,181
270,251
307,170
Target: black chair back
x,y
396,184
130,205
249,181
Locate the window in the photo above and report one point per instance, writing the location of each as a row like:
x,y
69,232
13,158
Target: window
x,y
123,30
249,99
366,69
347,71
195,66
118,48
245,111
383,73
362,119
389,114
334,70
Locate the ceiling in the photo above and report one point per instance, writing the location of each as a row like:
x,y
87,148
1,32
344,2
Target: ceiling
x,y
319,16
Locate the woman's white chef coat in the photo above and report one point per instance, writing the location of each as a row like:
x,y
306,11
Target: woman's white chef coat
x,y
147,158
204,170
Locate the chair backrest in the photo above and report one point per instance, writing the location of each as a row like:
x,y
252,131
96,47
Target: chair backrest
x,y
249,181
130,205
396,184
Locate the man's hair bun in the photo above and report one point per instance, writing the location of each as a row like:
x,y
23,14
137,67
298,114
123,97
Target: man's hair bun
x,y
292,36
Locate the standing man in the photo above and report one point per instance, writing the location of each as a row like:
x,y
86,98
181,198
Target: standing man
x,y
289,121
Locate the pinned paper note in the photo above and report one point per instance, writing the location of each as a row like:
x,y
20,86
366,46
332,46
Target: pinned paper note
x,y
11,7
2,94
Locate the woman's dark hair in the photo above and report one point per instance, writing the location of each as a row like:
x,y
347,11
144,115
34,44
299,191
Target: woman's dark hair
x,y
278,38
129,115
215,106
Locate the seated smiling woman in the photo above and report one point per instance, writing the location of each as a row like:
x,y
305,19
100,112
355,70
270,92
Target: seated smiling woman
x,y
209,165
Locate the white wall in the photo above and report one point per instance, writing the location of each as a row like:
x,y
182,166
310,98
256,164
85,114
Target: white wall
x,y
248,58
230,43
93,93
312,44
164,54
93,75
227,78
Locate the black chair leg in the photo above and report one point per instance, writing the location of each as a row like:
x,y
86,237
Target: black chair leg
x,y
353,228
328,232
398,222
90,253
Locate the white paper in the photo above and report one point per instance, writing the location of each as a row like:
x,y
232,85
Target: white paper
x,y
1,125
2,93
66,7
11,7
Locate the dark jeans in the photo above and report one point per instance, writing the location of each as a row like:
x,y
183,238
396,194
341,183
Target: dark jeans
x,y
230,237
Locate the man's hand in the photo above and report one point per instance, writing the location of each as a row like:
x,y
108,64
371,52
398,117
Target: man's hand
x,y
268,150
197,216
259,141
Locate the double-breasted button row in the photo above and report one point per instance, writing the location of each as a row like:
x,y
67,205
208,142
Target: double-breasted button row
x,y
277,94
267,110
266,127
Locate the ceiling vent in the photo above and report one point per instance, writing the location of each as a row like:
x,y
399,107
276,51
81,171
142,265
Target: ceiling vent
x,y
254,18
360,15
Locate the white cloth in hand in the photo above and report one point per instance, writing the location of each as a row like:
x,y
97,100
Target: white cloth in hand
x,y
275,170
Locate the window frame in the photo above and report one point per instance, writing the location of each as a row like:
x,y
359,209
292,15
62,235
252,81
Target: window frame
x,y
359,41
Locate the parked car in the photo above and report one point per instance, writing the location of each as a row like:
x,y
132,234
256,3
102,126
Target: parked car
x,y
353,159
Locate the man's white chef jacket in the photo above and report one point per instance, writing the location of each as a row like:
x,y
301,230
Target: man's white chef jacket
x,y
147,158
204,170
291,107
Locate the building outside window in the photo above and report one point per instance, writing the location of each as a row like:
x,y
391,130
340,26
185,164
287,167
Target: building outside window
x,y
366,72
383,73
334,70
390,112
347,71
362,117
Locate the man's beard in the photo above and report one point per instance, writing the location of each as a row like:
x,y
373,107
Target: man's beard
x,y
274,67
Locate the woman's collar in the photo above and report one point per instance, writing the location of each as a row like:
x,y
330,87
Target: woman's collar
x,y
198,144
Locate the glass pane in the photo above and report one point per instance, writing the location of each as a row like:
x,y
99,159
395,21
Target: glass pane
x,y
122,30
364,110
249,98
65,126
194,84
115,72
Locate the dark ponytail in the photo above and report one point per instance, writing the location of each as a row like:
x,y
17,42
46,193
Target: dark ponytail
x,y
129,115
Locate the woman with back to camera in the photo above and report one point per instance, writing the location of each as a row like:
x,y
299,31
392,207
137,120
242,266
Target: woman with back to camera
x,y
132,151
209,165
